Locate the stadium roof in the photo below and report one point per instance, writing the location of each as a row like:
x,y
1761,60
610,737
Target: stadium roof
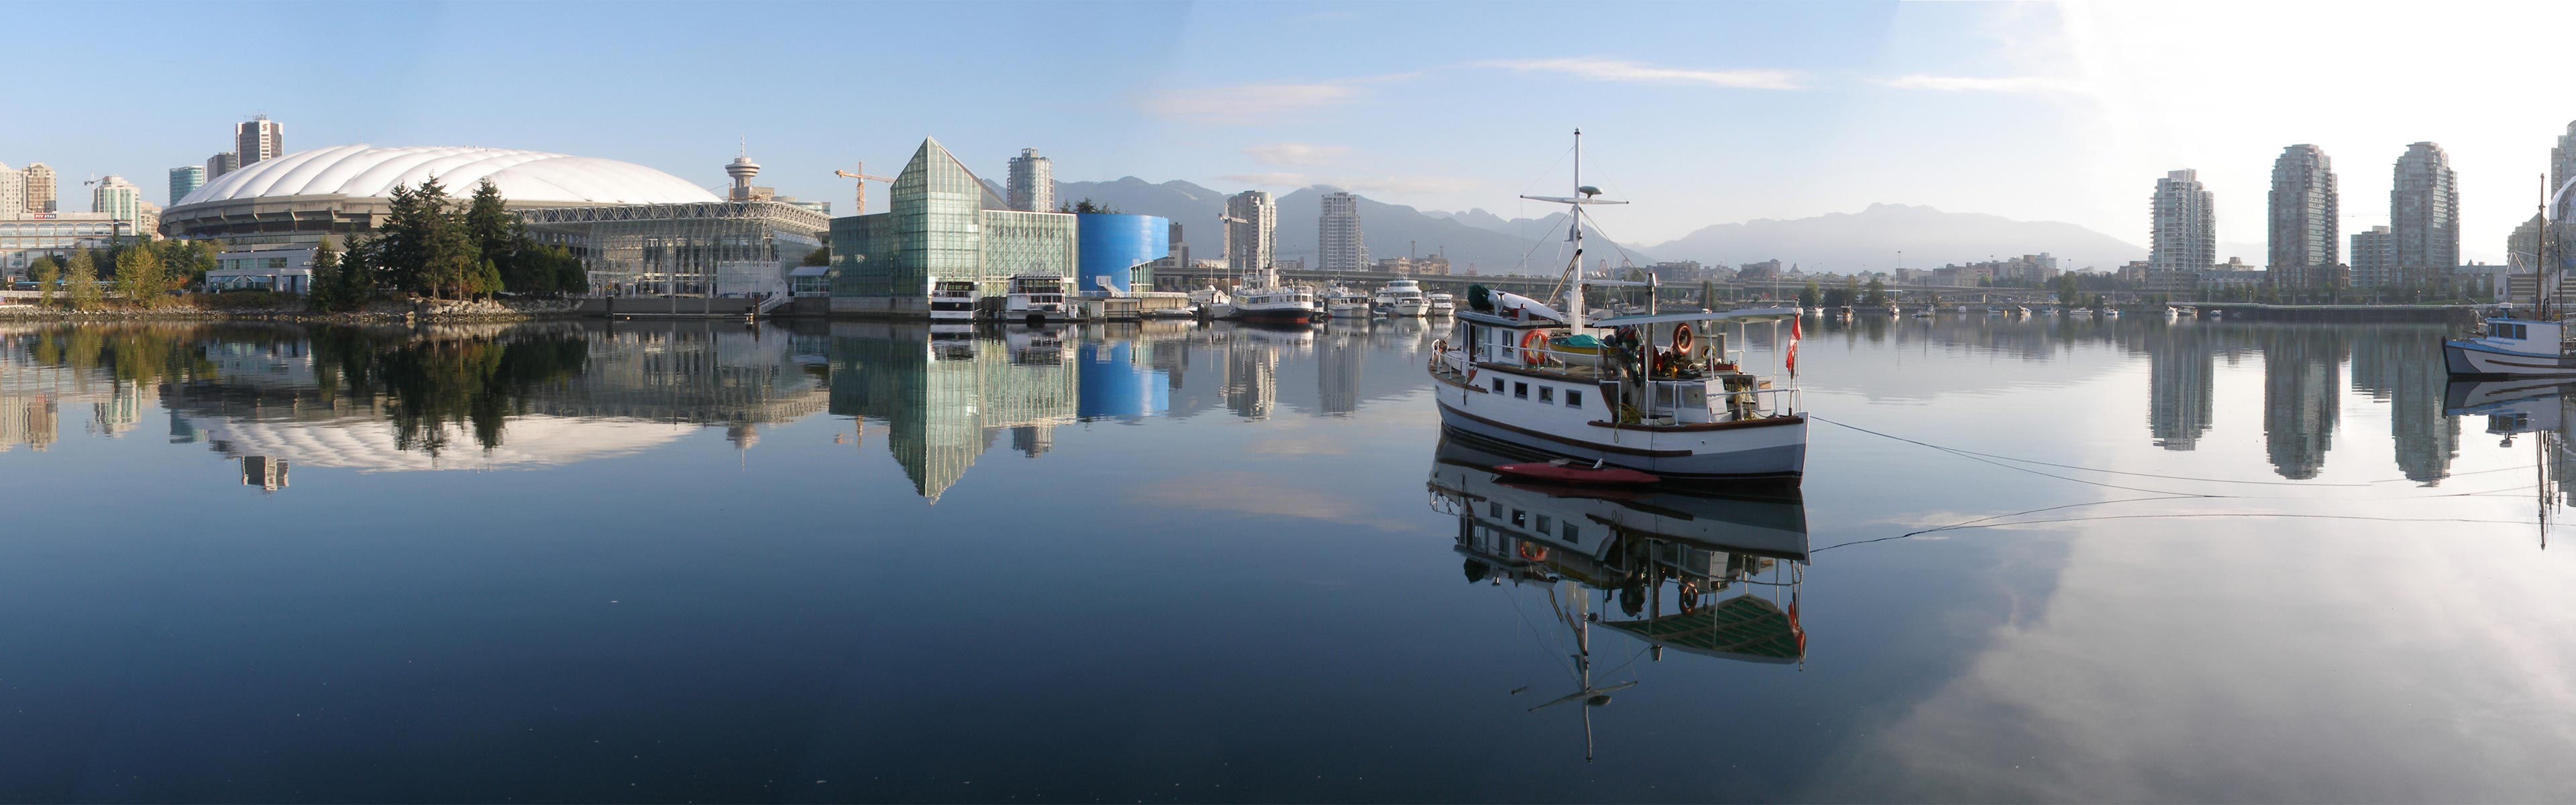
x,y
522,176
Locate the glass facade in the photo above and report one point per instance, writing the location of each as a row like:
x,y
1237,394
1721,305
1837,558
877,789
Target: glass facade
x,y
730,248
945,224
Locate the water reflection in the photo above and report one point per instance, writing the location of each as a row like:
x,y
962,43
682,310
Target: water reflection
x,y
1708,576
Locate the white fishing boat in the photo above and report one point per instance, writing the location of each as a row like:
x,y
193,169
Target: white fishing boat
x,y
1442,304
952,301
2512,346
1662,393
1402,299
1035,299
1213,302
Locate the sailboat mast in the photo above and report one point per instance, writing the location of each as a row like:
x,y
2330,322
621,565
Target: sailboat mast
x,y
1574,294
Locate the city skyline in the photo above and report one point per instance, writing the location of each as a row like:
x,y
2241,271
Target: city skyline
x,y
1797,130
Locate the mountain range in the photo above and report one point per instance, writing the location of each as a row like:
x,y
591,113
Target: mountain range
x,y
1836,242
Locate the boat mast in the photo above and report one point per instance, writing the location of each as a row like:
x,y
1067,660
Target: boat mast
x,y
1574,294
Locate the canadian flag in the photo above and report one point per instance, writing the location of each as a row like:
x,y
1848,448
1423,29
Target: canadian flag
x,y
1792,360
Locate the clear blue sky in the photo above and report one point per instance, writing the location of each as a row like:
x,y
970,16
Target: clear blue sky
x,y
1701,113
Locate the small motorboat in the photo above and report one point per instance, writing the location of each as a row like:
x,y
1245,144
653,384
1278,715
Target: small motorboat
x,y
1567,472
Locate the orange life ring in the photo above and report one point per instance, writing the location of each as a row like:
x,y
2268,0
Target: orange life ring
x,y
1681,338
1534,553
1528,355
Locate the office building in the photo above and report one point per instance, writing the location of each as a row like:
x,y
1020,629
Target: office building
x,y
221,165
184,181
258,139
944,224
39,179
2183,232
1032,182
24,238
2374,258
1339,245
2424,217
2303,239
1251,230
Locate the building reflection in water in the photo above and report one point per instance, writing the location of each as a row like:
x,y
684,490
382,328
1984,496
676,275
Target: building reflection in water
x,y
1340,356
946,396
2404,369
1708,576
2181,371
1252,367
2302,397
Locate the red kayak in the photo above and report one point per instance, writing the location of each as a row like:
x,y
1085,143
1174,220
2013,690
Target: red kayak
x,y
1565,472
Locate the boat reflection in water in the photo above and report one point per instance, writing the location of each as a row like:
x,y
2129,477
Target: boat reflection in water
x,y
1704,575
2518,406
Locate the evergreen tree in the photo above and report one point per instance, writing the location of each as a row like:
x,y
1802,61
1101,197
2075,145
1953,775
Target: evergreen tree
x,y
486,281
570,278
357,280
1808,296
322,293
81,277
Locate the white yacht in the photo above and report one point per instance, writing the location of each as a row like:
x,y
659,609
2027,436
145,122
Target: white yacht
x,y
1035,299
952,301
1661,393
1212,302
1402,299
1340,302
1442,304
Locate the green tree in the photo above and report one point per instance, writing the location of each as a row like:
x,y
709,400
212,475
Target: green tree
x,y
1808,296
45,272
1877,294
138,276
357,278
818,257
80,277
1086,206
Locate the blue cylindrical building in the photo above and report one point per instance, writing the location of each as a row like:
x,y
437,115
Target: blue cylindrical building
x,y
1109,245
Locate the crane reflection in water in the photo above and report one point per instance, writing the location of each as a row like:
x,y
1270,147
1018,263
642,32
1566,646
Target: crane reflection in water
x,y
1670,569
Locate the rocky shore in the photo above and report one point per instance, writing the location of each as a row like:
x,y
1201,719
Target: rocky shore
x,y
415,311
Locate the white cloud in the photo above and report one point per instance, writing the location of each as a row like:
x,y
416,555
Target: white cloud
x,y
1280,179
1245,104
2012,84
1600,69
1296,154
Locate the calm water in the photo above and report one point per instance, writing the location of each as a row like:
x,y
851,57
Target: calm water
x,y
675,562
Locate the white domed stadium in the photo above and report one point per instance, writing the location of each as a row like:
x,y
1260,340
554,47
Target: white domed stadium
x,y
299,197
524,177
637,230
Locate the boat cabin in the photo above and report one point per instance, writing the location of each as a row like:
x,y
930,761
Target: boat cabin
x,y
1667,369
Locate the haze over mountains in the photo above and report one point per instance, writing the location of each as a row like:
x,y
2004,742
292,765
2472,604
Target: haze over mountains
x,y
1837,242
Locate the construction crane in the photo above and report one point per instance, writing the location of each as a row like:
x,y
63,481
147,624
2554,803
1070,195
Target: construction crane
x,y
858,174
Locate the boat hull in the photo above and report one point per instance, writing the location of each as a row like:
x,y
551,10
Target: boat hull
x,y
1773,450
2471,359
1279,315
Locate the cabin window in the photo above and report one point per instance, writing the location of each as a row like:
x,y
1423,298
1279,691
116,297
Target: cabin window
x,y
1520,390
1494,510
1664,397
1498,385
1547,394
1573,398
1520,519
1571,534
1546,524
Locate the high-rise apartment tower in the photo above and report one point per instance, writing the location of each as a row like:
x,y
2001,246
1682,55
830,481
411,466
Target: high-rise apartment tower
x,y
2304,218
1338,243
184,181
2183,232
40,187
2424,217
1032,182
1251,230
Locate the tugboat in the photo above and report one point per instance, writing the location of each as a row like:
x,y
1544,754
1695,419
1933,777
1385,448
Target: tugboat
x,y
1263,299
1664,394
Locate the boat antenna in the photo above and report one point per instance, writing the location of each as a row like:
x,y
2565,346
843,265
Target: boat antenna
x,y
1574,232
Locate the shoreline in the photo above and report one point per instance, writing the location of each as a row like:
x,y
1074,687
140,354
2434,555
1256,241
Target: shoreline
x,y
422,311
